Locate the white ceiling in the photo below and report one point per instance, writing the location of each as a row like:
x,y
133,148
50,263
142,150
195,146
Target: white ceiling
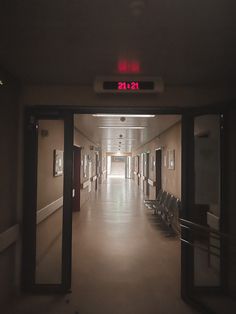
x,y
111,139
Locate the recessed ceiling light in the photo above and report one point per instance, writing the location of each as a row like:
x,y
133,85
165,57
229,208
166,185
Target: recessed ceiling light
x,y
118,138
124,115
122,127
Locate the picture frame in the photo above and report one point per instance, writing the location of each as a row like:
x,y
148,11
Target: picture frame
x,y
171,159
85,162
58,162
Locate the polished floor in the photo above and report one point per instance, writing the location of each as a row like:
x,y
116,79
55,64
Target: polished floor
x,y
124,261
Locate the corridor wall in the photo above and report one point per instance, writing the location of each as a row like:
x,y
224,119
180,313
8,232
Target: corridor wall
x,y
169,140
9,228
88,165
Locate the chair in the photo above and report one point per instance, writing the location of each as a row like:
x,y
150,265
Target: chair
x,y
153,204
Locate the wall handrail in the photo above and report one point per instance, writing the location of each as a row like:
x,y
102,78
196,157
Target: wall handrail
x,y
184,223
9,237
151,182
49,209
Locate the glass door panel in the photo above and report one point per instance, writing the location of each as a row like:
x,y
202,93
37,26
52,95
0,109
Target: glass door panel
x,y
208,250
207,200
49,211
47,230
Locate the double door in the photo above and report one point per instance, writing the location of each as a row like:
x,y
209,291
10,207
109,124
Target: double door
x,y
207,245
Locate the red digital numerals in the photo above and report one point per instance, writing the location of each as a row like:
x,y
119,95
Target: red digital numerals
x,y
128,86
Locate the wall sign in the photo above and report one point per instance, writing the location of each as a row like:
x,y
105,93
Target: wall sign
x,y
128,85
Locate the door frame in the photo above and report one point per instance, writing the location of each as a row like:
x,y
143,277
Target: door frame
x,y
67,112
32,115
158,163
97,174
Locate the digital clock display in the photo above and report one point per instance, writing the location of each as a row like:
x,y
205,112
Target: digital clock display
x,y
128,85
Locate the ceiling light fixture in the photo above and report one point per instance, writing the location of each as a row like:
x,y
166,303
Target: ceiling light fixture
x,y
123,127
1,82
118,138
124,115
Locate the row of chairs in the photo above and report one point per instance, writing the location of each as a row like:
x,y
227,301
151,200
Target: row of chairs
x,y
166,205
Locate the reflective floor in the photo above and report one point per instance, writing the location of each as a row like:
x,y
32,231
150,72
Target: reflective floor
x,y
124,261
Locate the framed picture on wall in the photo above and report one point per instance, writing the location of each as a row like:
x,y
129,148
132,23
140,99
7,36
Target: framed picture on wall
x,y
171,159
85,166
152,163
58,162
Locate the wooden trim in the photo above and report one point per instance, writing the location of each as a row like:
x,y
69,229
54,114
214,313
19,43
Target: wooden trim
x,y
85,184
48,210
8,237
151,182
160,110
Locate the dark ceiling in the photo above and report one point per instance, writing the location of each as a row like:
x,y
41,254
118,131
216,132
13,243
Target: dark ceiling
x,y
73,41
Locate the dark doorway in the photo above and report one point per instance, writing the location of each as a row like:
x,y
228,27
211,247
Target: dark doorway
x,y
76,178
146,168
138,166
158,170
97,171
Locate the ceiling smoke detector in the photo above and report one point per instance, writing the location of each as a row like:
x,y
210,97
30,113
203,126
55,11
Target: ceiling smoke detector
x,y
122,119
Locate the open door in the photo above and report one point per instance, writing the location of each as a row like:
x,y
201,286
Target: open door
x,y
138,168
146,172
47,202
158,170
208,252
97,173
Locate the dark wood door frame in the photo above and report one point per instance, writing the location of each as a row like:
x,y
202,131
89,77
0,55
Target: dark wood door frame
x,y
96,170
138,162
158,170
147,172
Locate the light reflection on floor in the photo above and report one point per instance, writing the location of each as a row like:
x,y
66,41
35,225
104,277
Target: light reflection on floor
x,y
122,262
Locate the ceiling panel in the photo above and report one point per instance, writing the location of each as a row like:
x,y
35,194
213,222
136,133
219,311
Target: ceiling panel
x,y
112,139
